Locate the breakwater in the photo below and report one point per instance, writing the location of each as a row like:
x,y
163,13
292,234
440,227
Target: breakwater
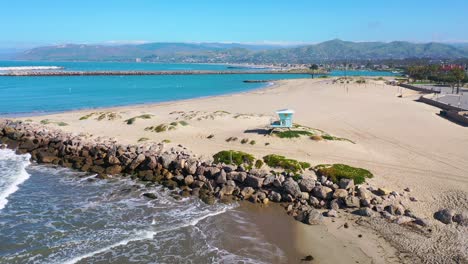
x,y
308,197
110,73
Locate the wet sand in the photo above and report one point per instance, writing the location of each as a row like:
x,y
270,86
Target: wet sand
x,y
330,243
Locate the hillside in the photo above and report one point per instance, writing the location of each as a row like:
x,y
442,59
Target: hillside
x,y
240,53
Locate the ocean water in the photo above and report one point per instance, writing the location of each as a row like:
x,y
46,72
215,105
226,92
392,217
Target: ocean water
x,y
55,215
38,95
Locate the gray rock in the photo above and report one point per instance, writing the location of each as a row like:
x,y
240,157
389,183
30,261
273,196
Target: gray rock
x,y
227,190
346,183
421,221
322,192
307,184
274,196
188,180
340,193
167,159
269,180
314,201
331,213
220,178
239,176
363,193
445,215
313,217
254,181
400,220
461,218
387,215
352,202
292,187
335,204
247,192
305,195
364,212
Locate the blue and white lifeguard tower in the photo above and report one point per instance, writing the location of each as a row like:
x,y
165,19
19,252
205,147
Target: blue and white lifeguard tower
x,y
285,119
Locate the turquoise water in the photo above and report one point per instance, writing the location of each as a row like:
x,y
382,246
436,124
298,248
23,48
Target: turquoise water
x,y
36,95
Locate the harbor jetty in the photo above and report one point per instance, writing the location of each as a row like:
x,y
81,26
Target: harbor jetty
x,y
308,198
97,73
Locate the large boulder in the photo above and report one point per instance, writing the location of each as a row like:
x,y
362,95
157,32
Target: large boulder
x,y
352,202
346,183
238,176
247,192
313,217
340,193
307,184
364,212
445,215
253,181
322,192
137,161
220,178
167,159
291,187
274,196
114,169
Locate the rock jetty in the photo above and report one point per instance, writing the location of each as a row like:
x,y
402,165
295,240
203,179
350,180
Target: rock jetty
x,y
307,198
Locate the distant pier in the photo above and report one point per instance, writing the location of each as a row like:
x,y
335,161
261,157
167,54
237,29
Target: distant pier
x,y
97,73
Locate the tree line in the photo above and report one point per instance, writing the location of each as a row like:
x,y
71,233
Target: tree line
x,y
454,76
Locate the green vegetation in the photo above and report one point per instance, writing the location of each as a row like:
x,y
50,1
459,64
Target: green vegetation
x,y
244,140
165,127
453,76
62,124
48,121
292,133
233,157
86,116
252,142
133,119
258,164
297,177
361,81
231,139
339,171
143,139
166,141
277,161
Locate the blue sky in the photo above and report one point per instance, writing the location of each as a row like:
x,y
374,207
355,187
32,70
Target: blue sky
x,y
33,22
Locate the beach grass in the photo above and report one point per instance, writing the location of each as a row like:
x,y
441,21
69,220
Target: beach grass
x,y
278,161
336,172
233,157
132,120
143,139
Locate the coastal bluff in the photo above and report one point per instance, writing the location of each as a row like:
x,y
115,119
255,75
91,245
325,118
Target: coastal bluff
x,y
307,198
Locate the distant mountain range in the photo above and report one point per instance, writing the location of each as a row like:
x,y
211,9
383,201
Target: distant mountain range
x,y
332,50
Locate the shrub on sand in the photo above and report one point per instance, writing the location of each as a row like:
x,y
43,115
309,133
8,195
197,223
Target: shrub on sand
x,y
278,161
336,172
233,157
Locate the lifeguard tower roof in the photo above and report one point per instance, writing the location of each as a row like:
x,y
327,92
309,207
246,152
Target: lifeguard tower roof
x,y
285,111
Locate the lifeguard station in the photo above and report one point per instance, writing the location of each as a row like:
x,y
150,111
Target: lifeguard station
x,y
285,119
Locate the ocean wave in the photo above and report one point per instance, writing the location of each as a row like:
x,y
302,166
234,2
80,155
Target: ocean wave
x,y
30,68
12,173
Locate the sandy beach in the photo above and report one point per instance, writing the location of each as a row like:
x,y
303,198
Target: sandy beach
x,y
402,142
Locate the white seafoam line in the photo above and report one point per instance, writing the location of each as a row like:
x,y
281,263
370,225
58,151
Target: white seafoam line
x,y
21,176
142,235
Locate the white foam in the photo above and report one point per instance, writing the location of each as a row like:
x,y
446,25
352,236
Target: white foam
x,y
138,236
12,177
143,235
30,68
